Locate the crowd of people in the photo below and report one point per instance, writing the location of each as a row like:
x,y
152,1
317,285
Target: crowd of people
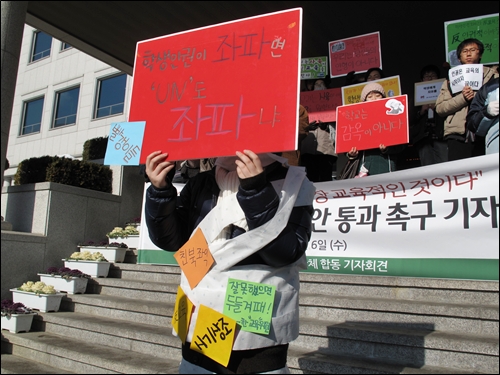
x,y
440,132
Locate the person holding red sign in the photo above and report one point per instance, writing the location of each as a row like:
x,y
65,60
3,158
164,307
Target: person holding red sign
x,y
255,213
372,161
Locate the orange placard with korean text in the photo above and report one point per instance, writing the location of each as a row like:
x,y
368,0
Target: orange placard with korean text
x,y
210,92
368,124
194,258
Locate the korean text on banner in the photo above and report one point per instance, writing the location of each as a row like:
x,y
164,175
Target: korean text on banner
x,y
352,94
321,105
438,221
366,125
209,92
358,53
484,28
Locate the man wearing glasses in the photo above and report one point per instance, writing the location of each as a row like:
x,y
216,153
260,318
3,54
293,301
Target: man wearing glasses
x,y
461,142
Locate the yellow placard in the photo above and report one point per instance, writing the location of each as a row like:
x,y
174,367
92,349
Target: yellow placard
x,y
214,335
352,94
194,258
182,314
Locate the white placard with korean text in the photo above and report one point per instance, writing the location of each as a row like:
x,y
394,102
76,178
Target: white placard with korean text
x,y
427,92
466,75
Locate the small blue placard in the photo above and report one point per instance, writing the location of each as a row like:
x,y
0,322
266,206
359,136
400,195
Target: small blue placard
x,y
125,143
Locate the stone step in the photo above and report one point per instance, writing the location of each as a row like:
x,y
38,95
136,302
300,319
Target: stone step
x,y
137,337
406,288
318,362
463,319
139,289
70,353
399,344
13,364
130,309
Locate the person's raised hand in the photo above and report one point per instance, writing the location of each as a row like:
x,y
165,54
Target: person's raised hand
x,y
157,168
248,165
353,153
468,93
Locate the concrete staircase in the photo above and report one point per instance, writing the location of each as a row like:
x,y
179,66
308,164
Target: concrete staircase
x,y
349,324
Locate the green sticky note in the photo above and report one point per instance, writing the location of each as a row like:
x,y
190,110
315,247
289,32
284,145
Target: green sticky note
x,y
250,304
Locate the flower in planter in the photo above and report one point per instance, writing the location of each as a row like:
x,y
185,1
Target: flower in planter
x,y
66,273
119,232
37,287
87,255
9,308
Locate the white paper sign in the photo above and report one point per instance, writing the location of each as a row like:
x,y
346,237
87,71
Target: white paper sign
x,y
427,92
466,75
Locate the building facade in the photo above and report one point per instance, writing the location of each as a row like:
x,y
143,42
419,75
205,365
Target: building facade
x,y
63,98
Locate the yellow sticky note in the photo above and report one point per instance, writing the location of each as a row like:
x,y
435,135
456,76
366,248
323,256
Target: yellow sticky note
x,y
195,258
182,314
214,335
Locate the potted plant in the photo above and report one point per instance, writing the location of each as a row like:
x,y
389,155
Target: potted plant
x,y
134,222
128,235
65,279
16,317
93,264
114,251
38,296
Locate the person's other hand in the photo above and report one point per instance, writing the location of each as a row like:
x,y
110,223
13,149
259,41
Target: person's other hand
x,y
249,164
468,93
492,108
353,153
157,168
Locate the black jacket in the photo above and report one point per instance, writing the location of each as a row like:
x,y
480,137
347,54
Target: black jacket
x,y
171,219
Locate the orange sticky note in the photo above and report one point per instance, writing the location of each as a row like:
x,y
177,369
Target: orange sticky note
x,y
182,314
194,258
214,335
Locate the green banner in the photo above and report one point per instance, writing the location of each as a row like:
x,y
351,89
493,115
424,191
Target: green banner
x,y
440,268
469,269
484,28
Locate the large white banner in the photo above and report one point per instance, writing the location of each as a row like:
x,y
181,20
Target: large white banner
x,y
434,221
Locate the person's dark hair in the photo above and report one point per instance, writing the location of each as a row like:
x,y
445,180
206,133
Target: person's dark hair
x,y
382,75
467,42
430,68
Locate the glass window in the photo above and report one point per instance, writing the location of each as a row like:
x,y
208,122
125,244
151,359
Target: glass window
x,y
66,106
41,46
32,116
65,46
110,96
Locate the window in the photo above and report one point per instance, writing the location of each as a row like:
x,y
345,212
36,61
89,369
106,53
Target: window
x,y
32,116
65,46
66,105
41,46
110,96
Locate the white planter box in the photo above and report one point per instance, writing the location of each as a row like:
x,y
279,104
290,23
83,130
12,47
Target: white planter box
x,y
131,241
42,302
74,285
17,322
112,254
90,267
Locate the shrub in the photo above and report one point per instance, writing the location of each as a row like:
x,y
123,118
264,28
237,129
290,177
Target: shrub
x,y
33,170
65,171
94,148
